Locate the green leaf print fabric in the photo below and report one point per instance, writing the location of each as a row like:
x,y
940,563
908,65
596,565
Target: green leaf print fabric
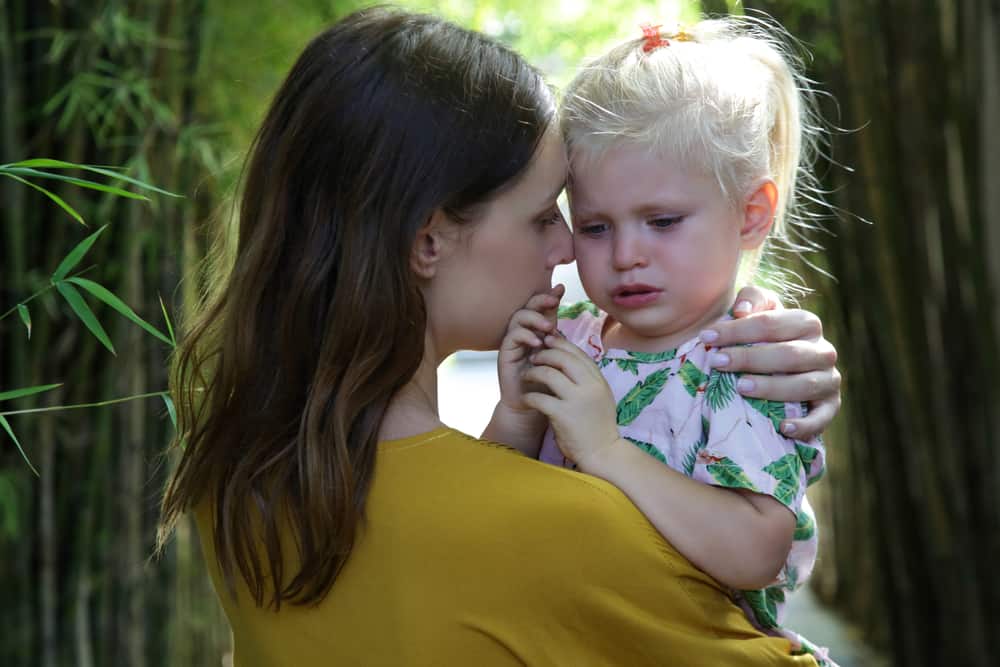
x,y
685,414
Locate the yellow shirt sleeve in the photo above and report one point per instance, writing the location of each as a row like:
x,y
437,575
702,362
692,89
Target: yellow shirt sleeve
x,y
472,554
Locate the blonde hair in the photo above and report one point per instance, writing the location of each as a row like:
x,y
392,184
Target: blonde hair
x,y
726,96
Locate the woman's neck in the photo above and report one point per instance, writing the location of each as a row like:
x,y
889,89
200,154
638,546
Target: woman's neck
x,y
414,408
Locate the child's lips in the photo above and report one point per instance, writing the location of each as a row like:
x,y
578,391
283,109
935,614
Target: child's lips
x,y
635,296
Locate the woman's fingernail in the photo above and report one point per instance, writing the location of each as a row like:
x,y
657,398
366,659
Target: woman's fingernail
x,y
744,384
709,336
788,428
718,359
743,307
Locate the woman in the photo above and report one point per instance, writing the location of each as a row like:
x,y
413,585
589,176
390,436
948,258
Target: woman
x,y
399,205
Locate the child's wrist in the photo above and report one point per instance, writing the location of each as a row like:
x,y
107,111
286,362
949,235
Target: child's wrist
x,y
602,459
512,423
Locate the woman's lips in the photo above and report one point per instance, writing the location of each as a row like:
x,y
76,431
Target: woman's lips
x,y
635,296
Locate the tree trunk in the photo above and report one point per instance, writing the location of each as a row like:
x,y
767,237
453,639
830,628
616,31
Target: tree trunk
x,y
916,315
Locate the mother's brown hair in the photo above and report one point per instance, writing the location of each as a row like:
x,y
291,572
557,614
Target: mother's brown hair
x,y
286,373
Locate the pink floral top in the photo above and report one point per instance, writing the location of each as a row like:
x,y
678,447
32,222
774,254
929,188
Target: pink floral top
x,y
679,410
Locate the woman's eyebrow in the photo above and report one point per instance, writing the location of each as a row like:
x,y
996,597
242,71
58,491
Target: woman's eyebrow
x,y
552,197
555,193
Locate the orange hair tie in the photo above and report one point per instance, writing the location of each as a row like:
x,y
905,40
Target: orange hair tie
x,y
651,37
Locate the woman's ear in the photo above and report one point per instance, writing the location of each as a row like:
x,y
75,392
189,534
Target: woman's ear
x,y
429,245
758,215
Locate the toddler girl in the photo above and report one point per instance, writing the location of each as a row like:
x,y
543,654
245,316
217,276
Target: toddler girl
x,y
685,149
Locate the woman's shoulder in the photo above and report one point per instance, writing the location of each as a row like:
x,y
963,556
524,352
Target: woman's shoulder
x,y
514,498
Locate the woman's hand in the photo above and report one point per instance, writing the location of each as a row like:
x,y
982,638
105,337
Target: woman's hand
x,y
578,403
791,362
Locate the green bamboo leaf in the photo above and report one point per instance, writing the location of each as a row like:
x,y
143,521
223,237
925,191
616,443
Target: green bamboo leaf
x,y
641,395
10,432
628,365
51,195
573,311
171,410
75,255
83,183
166,318
692,377
22,310
104,171
791,577
653,357
691,458
109,298
27,391
764,604
787,471
649,448
773,410
86,315
727,473
805,527
721,389
808,456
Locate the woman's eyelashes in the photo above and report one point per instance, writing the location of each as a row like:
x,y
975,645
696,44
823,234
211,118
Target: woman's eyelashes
x,y
552,217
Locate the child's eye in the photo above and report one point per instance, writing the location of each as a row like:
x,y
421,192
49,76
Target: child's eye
x,y
593,229
666,221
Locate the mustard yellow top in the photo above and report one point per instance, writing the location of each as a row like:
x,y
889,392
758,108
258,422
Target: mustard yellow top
x,y
473,554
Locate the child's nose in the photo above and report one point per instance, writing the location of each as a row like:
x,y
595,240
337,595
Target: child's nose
x,y
628,252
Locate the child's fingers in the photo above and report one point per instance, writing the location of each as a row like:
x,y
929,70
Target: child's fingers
x,y
519,339
531,319
545,300
547,405
556,381
578,359
573,367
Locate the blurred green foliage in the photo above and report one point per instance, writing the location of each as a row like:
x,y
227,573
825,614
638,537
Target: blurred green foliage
x,y
249,47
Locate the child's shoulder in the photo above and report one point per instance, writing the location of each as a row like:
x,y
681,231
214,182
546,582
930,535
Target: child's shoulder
x,y
574,311
580,321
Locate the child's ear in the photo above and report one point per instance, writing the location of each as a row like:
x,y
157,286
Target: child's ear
x,y
758,215
429,245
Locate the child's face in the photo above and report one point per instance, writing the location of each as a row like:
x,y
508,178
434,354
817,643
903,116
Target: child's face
x,y
657,245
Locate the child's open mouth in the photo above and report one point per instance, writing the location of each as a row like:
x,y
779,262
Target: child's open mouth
x,y
635,295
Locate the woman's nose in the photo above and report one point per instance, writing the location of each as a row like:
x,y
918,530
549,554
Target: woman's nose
x,y
561,251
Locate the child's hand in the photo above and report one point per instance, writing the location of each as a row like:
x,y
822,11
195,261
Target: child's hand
x,y
514,422
579,402
525,332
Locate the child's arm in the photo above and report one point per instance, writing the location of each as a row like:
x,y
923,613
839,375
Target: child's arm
x,y
514,423
740,538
